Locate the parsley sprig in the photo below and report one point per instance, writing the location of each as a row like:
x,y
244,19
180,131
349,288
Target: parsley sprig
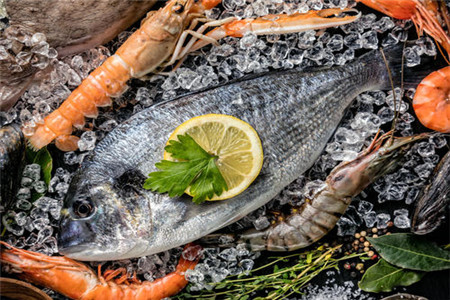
x,y
196,169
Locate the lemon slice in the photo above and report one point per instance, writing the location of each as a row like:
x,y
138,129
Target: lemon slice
x,y
233,141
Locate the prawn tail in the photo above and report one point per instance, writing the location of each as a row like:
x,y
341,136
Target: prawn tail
x,y
108,80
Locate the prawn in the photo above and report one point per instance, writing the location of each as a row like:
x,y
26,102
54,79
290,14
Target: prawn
x,y
317,216
77,281
162,34
431,101
427,16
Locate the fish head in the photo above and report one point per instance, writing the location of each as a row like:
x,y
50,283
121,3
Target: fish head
x,y
104,221
381,157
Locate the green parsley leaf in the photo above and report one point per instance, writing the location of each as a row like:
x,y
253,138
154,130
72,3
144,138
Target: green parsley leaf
x,y
197,169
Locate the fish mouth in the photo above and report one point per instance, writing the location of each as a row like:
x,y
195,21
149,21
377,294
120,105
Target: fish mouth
x,y
78,241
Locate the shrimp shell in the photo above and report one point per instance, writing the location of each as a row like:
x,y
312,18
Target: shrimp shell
x,y
432,101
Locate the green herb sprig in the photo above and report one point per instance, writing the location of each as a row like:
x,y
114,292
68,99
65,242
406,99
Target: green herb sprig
x,y
196,169
281,283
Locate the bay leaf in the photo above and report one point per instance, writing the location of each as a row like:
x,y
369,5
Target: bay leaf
x,y
383,277
410,251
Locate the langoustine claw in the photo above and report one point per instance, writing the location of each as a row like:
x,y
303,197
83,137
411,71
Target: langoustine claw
x,y
77,281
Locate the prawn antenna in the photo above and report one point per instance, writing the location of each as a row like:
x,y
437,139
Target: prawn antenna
x,y
394,123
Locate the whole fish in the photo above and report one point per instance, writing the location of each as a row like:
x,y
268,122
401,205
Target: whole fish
x,y
433,200
108,216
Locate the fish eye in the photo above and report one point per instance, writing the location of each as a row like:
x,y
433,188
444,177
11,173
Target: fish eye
x,y
83,208
178,8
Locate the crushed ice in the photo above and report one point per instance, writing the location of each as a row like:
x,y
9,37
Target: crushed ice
x,y
33,225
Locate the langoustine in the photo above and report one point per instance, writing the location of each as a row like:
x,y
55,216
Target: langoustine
x,y
161,35
77,281
317,216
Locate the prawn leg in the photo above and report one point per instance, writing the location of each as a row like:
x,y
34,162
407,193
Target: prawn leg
x,y
77,281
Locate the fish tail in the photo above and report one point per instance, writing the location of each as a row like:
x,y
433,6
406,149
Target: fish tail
x,y
106,81
389,65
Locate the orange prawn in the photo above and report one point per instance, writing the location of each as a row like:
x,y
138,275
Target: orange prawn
x,y
427,16
161,35
431,102
77,281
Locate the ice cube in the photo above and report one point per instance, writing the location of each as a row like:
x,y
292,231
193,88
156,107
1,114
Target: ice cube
x,y
438,141
336,43
370,218
353,40
247,265
364,207
402,221
26,182
261,223
87,141
382,220
32,171
194,276
40,223
401,211
40,187
412,57
23,204
23,194
44,234
70,158
370,40
346,227
384,24
345,135
425,149
228,254
20,218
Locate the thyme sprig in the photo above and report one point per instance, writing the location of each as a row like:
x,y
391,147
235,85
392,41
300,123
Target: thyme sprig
x,y
280,283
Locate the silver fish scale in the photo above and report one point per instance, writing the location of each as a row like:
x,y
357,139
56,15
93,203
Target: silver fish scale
x,y
294,114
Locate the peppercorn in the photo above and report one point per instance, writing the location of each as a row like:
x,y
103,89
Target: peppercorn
x,y
366,249
374,230
371,253
375,236
347,266
363,233
357,235
366,244
359,266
